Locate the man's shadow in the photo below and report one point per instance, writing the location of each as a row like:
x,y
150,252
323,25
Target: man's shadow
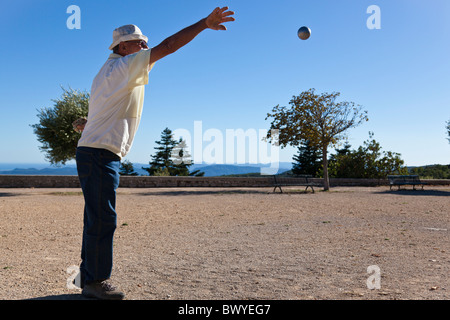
x,y
65,297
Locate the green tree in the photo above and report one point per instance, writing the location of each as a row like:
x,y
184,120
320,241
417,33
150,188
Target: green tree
x,y
368,161
55,131
307,160
320,119
338,164
127,169
160,172
162,158
435,171
171,158
182,160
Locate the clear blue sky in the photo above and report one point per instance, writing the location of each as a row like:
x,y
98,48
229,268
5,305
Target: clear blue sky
x,y
229,80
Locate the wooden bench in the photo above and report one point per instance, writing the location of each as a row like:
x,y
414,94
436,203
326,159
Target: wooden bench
x,y
405,180
294,180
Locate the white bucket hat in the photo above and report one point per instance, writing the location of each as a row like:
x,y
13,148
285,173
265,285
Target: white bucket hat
x,y
127,33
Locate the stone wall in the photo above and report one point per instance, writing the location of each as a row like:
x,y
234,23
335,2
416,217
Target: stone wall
x,y
40,181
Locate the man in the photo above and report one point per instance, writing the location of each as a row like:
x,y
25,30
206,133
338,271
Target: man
x,y
115,108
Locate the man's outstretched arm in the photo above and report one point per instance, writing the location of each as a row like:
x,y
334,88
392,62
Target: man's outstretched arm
x,y
173,43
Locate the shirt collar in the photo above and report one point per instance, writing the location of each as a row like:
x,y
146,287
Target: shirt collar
x,y
114,56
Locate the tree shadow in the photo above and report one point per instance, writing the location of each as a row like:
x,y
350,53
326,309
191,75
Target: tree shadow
x,y
8,194
201,192
411,192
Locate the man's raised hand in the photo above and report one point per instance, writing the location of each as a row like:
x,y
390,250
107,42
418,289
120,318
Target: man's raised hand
x,y
217,17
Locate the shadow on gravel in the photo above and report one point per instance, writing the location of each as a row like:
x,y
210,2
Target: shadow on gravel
x,y
410,192
77,296
7,194
197,192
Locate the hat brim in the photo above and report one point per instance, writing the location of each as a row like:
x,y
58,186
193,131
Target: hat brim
x,y
128,37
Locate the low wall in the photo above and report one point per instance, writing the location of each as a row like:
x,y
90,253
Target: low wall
x,y
40,181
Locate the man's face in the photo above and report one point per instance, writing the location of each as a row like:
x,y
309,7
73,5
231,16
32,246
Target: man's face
x,y
133,46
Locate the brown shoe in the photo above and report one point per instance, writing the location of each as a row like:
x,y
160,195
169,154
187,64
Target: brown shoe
x,y
102,290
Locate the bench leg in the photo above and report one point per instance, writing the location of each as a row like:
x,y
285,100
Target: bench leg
x,y
275,188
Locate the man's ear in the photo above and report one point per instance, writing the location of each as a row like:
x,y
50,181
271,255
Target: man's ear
x,y
121,46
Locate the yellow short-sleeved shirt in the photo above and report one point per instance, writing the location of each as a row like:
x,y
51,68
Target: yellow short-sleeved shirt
x,y
115,104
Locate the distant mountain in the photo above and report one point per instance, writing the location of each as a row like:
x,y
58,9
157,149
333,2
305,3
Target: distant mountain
x,y
4,166
210,170
224,169
214,170
63,171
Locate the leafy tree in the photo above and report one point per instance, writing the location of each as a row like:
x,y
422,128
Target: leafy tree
x,y
320,119
170,158
368,161
55,131
338,166
127,169
436,171
307,160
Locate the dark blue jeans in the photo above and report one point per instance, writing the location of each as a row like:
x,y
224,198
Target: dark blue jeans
x,y
98,172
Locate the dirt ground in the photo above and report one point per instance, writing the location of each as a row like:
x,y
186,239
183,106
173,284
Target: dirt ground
x,y
236,243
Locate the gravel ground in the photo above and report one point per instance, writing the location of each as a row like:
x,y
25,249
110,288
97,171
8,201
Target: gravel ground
x,y
236,243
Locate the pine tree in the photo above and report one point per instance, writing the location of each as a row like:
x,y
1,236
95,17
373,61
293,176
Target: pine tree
x,y
182,161
171,157
127,169
308,159
339,163
162,158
